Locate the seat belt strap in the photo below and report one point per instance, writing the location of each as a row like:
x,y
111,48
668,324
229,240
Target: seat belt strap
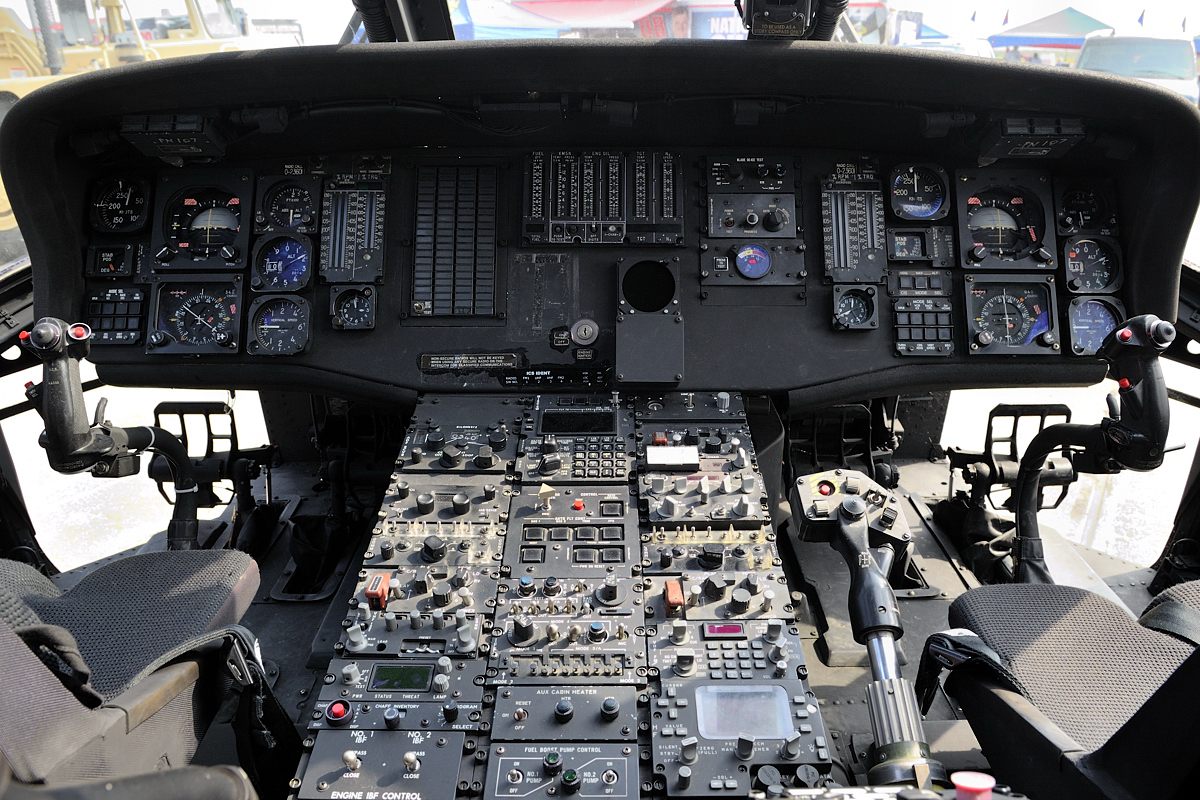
x,y
953,649
1175,619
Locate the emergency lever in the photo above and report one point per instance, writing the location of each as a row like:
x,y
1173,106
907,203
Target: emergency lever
x,y
901,753
106,450
1133,438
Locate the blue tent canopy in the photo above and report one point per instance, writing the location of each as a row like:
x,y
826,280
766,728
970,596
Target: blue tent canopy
x,y
1066,28
927,32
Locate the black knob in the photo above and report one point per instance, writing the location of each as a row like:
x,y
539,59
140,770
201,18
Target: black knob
x,y
461,577
451,457
714,588
402,490
435,439
489,491
525,586
417,455
420,582
596,632
551,586
571,781
1043,255
764,171
461,503
609,709
731,172
523,630
486,458
229,252
774,220
712,556
712,444
391,718
441,594
691,436
753,583
450,711
978,253
550,464
433,549
665,558
767,776
740,602
425,503
549,444
498,439
607,591
552,764
564,710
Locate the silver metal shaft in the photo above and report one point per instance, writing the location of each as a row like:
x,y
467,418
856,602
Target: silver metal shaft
x,y
881,650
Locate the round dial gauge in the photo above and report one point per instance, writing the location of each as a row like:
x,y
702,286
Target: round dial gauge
x,y
1010,315
1006,222
853,309
355,309
1091,265
198,316
204,223
1091,321
290,205
280,326
1082,209
119,206
753,261
918,192
283,264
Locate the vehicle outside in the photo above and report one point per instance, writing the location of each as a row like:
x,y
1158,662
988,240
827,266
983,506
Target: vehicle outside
x,y
1169,63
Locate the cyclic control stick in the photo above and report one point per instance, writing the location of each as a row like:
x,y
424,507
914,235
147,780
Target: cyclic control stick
x,y
901,752
106,450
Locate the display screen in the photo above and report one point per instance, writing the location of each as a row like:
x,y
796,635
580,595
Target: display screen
x,y
726,712
581,421
908,245
724,630
390,678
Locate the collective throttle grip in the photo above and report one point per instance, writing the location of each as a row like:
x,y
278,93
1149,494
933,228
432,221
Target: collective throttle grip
x,y
1139,436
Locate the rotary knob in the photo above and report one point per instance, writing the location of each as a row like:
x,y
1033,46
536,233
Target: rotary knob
x,y
461,504
679,632
485,458
610,708
712,556
670,508
497,439
714,588
775,219
442,593
461,577
740,602
444,665
665,558
564,710
402,490
745,747
489,492
433,549
351,673
685,663
978,253
550,464
596,632
607,592
450,711
435,439
425,503
712,445
391,718
551,586
525,586
774,630
441,684
689,750
549,444
387,551
523,632
451,457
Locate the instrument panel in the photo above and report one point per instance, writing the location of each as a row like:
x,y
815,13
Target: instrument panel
x,y
918,259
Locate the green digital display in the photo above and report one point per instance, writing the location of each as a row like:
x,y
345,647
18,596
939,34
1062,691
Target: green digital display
x,y
389,678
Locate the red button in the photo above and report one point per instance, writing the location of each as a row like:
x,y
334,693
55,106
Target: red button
x,y
1125,334
578,505
23,336
79,331
825,488
973,785
1123,383
338,710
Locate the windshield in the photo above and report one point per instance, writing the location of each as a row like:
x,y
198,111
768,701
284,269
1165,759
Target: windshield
x,y
1140,58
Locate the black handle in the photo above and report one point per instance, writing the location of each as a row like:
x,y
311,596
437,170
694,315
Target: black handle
x,y
873,605
1139,438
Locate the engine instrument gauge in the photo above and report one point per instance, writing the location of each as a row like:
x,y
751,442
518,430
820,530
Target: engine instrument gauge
x,y
353,307
1092,319
919,192
752,261
1016,314
290,205
120,205
854,308
279,326
203,224
196,317
1093,264
282,263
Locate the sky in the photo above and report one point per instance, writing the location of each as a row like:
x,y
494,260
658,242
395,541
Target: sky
x,y
953,17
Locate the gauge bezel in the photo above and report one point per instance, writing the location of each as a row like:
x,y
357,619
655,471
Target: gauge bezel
x,y
942,211
1114,304
1112,245
336,293
997,348
1103,188
253,347
99,186
171,187
258,283
869,296
171,346
266,189
1029,183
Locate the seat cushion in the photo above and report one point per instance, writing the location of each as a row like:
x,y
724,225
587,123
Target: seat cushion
x,y
128,613
1082,660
